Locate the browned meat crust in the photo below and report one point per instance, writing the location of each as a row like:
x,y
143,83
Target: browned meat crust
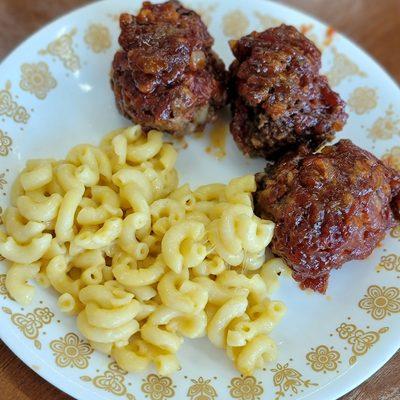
x,y
166,76
329,208
279,100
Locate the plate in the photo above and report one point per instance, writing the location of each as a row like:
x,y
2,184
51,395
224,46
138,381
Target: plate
x,y
55,93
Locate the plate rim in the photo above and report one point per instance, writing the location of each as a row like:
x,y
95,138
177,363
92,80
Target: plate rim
x,y
348,381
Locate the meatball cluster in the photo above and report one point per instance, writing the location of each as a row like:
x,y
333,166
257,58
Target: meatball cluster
x,y
166,75
329,208
278,98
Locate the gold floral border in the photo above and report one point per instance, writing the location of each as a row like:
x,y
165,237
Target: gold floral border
x,y
9,107
389,262
206,13
202,389
98,38
5,144
245,388
157,387
63,49
235,24
3,183
395,232
361,341
37,79
323,359
30,324
266,21
380,301
392,158
342,68
3,290
362,100
288,380
385,127
111,381
71,351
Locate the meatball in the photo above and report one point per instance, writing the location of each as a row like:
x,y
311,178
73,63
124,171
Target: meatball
x,y
278,99
329,208
166,75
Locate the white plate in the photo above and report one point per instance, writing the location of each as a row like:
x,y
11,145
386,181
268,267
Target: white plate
x,y
55,93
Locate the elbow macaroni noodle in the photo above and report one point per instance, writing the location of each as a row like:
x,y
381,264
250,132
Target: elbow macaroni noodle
x,y
141,262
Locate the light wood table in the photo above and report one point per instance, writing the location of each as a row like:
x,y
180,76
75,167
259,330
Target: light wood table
x,y
373,24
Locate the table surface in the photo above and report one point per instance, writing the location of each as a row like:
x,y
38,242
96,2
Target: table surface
x,y
373,24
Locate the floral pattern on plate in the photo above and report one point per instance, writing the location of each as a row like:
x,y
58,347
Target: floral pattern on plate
x,y
68,63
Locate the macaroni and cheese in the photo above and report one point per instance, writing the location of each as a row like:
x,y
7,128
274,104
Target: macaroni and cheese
x,y
141,262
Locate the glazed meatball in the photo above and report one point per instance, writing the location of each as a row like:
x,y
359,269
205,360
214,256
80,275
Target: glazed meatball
x,y
329,208
166,75
279,99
